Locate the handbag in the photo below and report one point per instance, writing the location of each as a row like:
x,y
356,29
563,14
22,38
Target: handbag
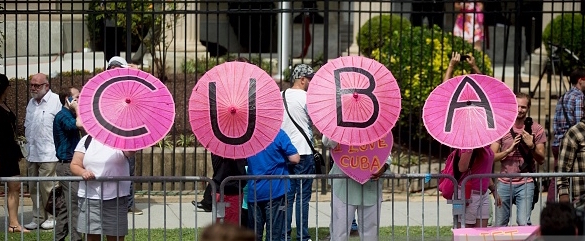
x,y
56,200
317,157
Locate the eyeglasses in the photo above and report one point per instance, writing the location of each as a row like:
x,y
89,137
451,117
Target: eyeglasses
x,y
36,86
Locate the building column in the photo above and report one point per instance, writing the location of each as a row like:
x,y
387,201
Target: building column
x,y
187,38
361,13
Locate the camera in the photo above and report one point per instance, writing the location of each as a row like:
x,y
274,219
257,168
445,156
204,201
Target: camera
x,y
528,125
464,57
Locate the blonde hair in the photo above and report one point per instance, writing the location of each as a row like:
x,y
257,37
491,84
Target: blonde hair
x,y
227,232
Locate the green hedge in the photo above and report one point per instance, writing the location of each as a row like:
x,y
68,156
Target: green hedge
x,y
373,33
418,58
566,30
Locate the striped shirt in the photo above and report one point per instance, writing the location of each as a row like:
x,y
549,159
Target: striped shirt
x,y
572,159
572,101
511,163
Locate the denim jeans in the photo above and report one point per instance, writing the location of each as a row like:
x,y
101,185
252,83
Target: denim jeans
x,y
132,163
270,213
300,190
522,193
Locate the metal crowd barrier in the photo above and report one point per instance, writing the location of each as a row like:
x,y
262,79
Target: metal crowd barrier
x,y
459,204
165,216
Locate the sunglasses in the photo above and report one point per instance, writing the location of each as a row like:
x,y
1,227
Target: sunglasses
x,y
36,86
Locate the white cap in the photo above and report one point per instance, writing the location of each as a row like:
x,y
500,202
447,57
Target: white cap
x,y
117,61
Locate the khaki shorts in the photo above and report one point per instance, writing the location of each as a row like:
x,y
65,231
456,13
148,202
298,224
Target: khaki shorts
x,y
478,208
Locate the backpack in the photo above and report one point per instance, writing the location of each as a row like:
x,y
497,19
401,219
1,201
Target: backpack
x,y
445,185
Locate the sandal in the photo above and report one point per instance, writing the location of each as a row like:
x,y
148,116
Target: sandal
x,y
17,229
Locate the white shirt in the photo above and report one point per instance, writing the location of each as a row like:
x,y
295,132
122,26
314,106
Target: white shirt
x,y
103,161
38,125
296,100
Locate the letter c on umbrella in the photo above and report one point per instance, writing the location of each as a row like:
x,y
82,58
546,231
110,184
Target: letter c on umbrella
x,y
98,114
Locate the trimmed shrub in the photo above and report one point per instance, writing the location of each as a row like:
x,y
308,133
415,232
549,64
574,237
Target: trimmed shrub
x,y
373,33
418,58
566,30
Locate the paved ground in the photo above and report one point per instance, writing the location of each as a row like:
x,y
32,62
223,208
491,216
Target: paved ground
x,y
174,212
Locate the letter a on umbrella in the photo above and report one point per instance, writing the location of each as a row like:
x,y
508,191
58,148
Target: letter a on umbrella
x,y
235,110
470,111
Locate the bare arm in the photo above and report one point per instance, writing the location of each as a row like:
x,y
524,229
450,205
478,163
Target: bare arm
x,y
471,61
537,150
455,57
295,159
77,167
500,155
464,160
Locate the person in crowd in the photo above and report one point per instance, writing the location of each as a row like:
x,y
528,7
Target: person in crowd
x,y
115,63
432,10
518,152
572,160
42,158
66,136
11,156
206,203
478,208
568,112
301,189
266,198
558,220
457,58
226,232
366,199
102,205
223,168
469,22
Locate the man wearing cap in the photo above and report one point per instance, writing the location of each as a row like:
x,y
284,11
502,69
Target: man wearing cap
x,y
115,63
42,158
296,104
66,136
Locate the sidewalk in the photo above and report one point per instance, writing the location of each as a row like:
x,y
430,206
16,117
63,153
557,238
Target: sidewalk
x,y
173,214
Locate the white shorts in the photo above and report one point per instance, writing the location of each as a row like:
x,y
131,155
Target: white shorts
x,y
478,208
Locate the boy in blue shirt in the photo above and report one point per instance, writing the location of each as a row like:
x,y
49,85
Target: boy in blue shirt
x,y
266,198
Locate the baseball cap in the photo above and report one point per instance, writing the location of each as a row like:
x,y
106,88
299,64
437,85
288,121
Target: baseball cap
x,y
302,70
117,61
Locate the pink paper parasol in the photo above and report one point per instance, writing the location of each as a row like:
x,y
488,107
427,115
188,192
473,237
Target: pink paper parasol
x,y
354,100
126,109
470,111
235,110
360,162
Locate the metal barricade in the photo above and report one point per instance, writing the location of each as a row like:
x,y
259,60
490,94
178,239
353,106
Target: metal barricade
x,y
404,209
517,190
164,216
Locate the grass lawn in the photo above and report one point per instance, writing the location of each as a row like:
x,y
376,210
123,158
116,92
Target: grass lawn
x,y
386,233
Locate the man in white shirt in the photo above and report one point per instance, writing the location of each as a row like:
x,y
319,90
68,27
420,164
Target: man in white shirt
x,y
42,158
296,104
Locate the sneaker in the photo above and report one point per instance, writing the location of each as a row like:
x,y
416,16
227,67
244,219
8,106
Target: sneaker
x,y
31,226
48,224
135,211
